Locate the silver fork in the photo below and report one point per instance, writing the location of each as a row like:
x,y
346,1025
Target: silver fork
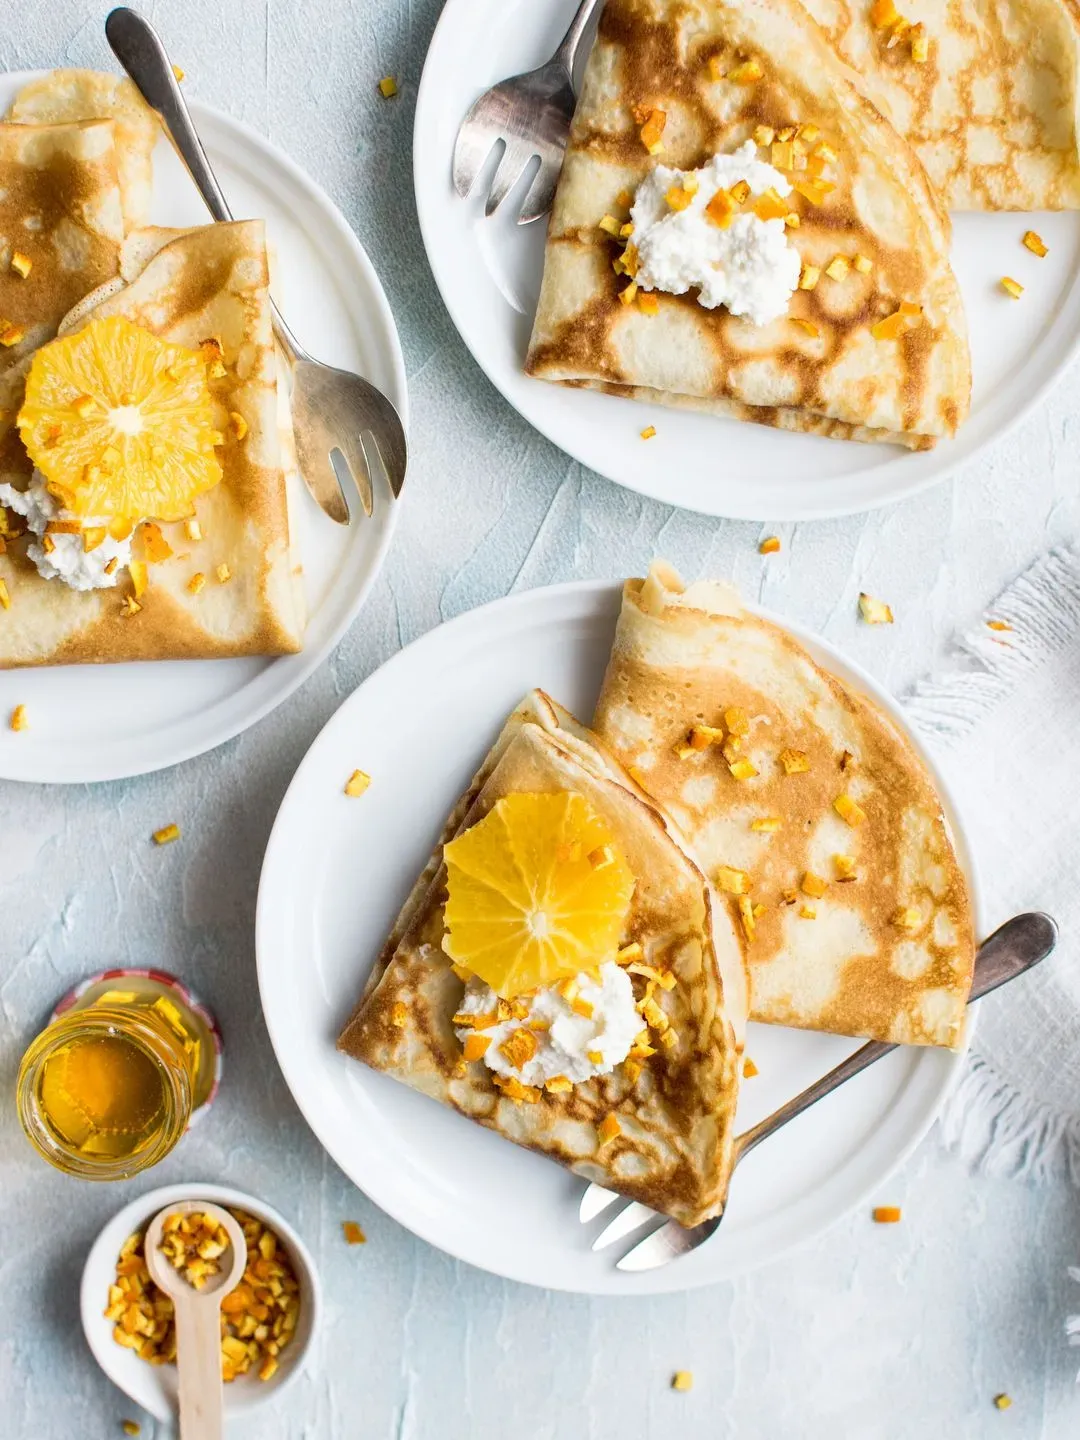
x,y
530,116
340,419
1012,949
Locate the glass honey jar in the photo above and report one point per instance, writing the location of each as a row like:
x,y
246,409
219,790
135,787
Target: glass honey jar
x,y
128,1061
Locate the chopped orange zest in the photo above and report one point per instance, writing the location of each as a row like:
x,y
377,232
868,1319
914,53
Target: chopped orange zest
x,y
795,762
5,597
18,719
388,87
93,537
747,72
887,1214
648,303
352,1232
883,13
1035,243
609,1128
652,130
720,210
1003,1401
21,264
731,881
648,432
682,1380
357,783
809,277
740,192
811,330
743,769
813,885
196,583
998,625
519,1047
678,197
223,573
767,824
155,545
1012,287
848,810
782,154
167,834
770,205
749,1069
475,1046
399,1014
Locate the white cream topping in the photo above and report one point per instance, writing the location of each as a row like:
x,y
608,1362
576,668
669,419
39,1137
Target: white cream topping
x,y
750,267
564,1048
68,560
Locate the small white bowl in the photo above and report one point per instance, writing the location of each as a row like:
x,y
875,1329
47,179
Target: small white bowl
x,y
154,1386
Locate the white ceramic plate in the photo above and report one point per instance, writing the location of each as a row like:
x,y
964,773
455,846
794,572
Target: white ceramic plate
x,y
102,723
154,1386
335,874
489,274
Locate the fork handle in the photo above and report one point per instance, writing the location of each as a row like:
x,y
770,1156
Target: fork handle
x,y
138,47
568,47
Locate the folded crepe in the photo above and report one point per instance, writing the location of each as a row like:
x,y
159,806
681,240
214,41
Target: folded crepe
x,y
188,286
65,95
674,1146
820,368
992,110
821,822
59,210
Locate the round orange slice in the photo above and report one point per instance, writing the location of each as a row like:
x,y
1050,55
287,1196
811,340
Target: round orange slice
x,y
121,423
537,892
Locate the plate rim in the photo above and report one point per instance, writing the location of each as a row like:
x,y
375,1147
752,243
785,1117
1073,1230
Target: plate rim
x,y
425,181
210,117
269,898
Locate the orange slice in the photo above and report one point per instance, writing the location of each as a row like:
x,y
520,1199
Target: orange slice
x,y
537,892
121,424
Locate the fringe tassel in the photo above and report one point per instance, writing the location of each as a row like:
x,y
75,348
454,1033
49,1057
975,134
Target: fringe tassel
x,y
1042,610
1004,1133
994,1127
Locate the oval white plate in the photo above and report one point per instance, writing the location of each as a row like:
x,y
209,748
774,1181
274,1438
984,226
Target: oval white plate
x,y
110,721
154,1386
489,274
335,874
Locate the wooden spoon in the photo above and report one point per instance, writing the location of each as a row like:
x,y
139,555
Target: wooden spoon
x,y
198,1319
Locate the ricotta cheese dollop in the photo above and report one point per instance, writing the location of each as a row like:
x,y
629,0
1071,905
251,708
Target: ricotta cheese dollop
x,y
68,560
571,1037
750,267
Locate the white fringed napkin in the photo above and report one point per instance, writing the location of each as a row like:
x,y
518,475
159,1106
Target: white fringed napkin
x,y
1004,724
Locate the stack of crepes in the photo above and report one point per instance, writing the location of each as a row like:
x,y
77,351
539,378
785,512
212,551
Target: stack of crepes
x,y
879,122
785,854
221,578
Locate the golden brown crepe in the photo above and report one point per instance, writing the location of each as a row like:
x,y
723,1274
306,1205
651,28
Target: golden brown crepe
x,y
60,209
674,1148
833,378
187,287
992,112
886,950
65,95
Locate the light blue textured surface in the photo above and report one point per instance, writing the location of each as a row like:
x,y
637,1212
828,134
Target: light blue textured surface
x,y
877,1333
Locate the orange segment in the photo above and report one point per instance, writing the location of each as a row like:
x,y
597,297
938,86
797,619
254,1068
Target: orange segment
x,y
526,906
120,423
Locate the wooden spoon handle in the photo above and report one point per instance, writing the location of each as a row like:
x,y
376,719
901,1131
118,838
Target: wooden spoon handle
x,y
198,1358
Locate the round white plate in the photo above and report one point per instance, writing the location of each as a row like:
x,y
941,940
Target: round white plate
x,y
489,274
154,1386
105,722
335,874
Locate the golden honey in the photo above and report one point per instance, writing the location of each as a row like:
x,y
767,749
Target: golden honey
x,y
109,1087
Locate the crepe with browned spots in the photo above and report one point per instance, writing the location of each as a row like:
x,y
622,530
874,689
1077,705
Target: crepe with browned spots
x,y
992,112
676,1118
188,286
861,929
829,375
